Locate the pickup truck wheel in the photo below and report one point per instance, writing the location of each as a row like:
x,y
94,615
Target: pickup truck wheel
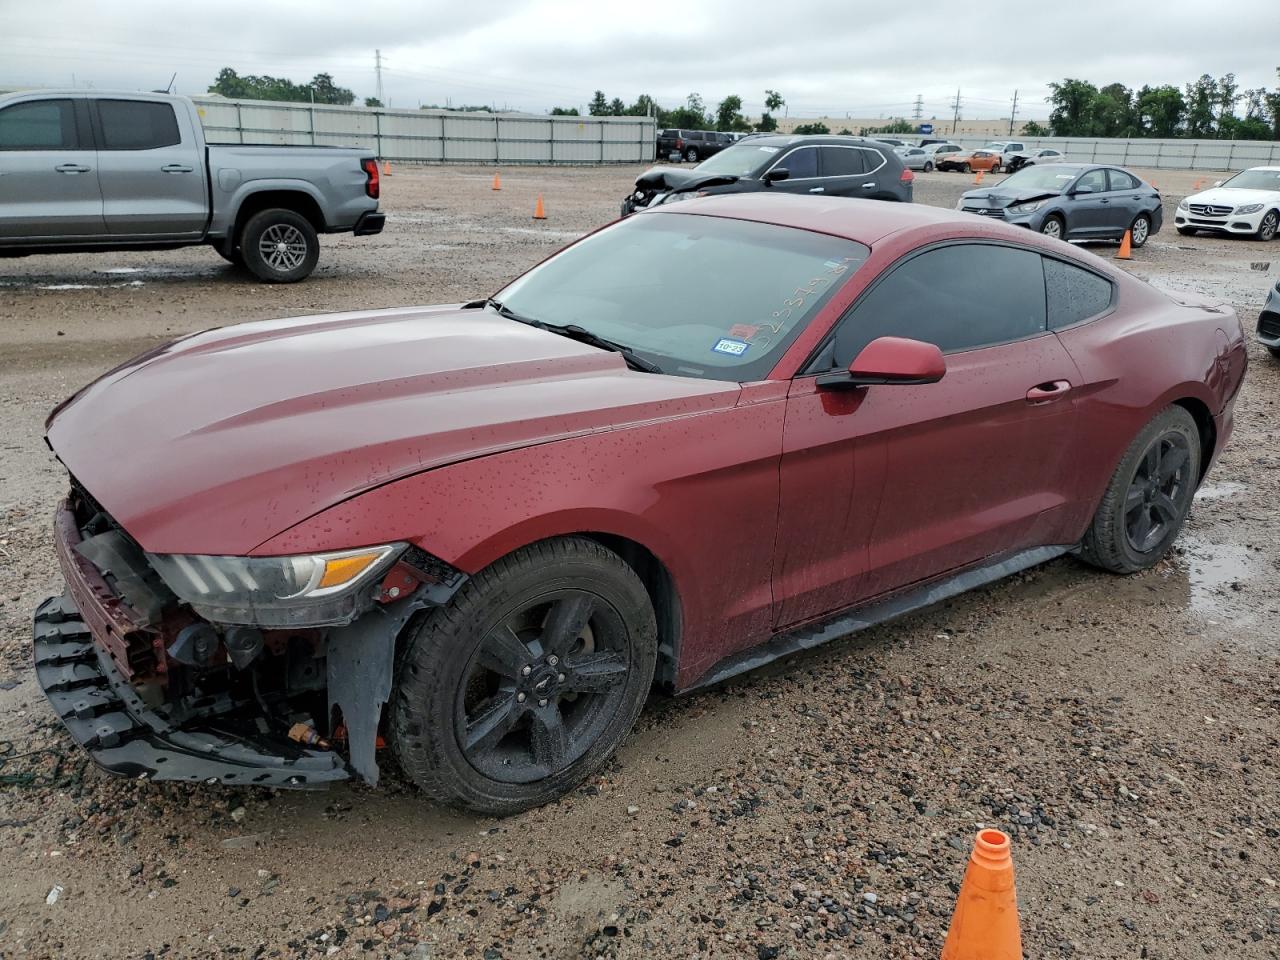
x,y
1149,496
691,155
527,681
279,246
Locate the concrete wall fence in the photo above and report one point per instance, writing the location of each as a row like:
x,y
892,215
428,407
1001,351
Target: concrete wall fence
x,y
1155,154
432,136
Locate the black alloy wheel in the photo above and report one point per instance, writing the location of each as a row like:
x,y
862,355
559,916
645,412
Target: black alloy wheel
x,y
1152,503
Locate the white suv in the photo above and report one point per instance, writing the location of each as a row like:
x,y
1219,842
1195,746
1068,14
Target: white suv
x,y
1247,204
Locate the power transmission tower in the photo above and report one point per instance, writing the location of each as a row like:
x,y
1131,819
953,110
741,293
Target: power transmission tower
x,y
377,60
919,110
1014,112
955,106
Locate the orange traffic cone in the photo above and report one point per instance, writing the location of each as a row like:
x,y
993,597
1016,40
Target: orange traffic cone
x,y
978,178
1126,247
497,183
1198,184
538,212
386,168
985,923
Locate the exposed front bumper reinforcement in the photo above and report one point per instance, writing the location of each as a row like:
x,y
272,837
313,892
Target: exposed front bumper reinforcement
x,y
124,736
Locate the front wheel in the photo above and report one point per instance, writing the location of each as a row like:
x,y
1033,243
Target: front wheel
x,y
1140,230
1268,227
1149,496
995,168
1053,227
528,680
279,246
966,169
928,167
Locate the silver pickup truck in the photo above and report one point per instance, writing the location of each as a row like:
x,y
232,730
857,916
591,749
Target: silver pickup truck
x,y
86,171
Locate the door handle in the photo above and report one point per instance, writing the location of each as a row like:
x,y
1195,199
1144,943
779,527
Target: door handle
x,y
869,186
1045,392
817,189
71,168
176,168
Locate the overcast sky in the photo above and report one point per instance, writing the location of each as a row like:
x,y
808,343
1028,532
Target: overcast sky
x,y
864,59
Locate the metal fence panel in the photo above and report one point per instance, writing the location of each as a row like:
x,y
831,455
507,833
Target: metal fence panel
x,y
1179,154
433,135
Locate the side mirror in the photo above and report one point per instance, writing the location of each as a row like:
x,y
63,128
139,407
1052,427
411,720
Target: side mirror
x,y
888,360
777,173
1077,190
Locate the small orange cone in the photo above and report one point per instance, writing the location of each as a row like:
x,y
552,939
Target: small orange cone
x,y
978,178
386,168
985,923
1126,247
1198,184
497,183
538,212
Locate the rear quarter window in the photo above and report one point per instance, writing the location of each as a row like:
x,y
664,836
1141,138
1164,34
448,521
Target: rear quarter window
x,y
1074,294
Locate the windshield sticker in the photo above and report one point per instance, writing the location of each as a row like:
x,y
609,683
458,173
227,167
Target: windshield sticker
x,y
769,149
744,331
734,348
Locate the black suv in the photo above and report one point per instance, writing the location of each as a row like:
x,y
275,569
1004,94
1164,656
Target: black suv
x,y
830,166
691,145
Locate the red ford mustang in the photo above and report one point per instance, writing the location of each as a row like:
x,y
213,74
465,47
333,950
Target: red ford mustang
x,y
695,440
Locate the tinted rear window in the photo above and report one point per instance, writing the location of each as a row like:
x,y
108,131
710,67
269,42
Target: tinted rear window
x,y
1075,294
137,125
38,125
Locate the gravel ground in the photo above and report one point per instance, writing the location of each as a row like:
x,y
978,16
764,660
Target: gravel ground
x,y
1123,731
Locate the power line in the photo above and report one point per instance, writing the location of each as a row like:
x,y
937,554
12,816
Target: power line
x,y
955,106
1013,112
377,68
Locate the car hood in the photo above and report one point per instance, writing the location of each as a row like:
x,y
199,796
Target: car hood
x,y
1228,197
673,178
997,199
220,441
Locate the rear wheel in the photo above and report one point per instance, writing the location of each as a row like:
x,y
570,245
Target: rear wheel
x,y
1268,227
995,168
527,681
966,168
279,246
1149,496
928,167
1053,227
691,155
1140,229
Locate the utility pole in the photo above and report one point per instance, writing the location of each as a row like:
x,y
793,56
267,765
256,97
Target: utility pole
x,y
377,61
1014,112
919,109
955,106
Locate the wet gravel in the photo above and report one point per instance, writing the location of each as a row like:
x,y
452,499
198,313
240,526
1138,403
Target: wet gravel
x,y
1122,730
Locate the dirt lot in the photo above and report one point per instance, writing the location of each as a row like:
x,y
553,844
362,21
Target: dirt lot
x,y
1124,731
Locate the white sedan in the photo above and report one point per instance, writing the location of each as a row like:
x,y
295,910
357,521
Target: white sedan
x,y
1247,204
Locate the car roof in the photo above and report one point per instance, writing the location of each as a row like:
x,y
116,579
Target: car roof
x,y
787,139
865,221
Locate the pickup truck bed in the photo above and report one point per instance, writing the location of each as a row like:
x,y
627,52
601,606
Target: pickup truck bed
x,y
83,171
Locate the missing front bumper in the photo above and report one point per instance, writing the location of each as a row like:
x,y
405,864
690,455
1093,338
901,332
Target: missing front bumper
x,y
104,715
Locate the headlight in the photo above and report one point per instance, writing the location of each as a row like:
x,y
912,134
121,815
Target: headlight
x,y
1248,208
960,204
309,590
1031,207
1183,205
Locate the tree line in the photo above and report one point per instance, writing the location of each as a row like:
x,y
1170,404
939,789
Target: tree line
x,y
693,114
1206,109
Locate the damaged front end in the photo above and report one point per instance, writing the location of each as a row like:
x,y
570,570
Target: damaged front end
x,y
270,671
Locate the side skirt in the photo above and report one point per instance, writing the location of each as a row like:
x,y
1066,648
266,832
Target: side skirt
x,y
877,612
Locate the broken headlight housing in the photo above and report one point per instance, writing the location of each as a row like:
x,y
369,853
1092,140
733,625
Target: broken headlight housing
x,y
312,590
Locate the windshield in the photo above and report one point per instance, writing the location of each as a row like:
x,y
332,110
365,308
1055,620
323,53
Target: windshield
x,y
1052,178
699,296
1260,179
739,161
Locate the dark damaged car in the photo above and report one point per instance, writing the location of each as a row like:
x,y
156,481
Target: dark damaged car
x,y
1072,201
483,533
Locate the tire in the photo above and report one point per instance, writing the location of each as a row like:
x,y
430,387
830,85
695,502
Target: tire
x,y
965,168
1053,226
1168,449
1187,231
691,155
233,257
479,664
1140,230
928,167
995,168
279,246
1269,226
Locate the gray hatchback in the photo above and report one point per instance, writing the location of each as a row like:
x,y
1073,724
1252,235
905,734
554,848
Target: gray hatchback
x,y
1072,201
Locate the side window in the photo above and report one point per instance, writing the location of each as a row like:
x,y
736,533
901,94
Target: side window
x,y
801,163
840,162
137,125
1094,181
1121,180
960,297
1075,294
39,125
